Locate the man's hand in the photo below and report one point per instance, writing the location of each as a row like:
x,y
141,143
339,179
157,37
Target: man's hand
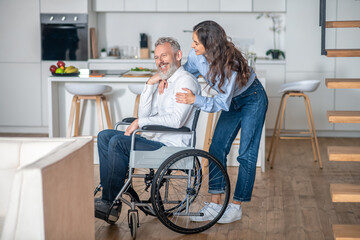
x,y
187,98
162,85
154,79
133,126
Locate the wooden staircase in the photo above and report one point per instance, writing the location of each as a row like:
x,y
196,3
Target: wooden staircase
x,y
349,193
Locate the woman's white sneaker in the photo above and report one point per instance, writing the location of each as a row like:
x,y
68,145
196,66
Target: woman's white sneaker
x,y
210,211
232,213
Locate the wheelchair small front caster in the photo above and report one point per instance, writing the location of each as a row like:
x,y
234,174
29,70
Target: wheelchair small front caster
x,y
133,220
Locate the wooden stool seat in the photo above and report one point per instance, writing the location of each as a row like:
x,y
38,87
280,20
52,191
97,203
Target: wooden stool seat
x,y
295,89
87,92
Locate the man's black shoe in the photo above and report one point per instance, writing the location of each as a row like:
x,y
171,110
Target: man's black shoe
x,y
102,207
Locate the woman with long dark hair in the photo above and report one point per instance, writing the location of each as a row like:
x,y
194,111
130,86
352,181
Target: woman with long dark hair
x,y
243,102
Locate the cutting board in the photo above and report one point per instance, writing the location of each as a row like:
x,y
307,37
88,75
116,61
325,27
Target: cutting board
x,y
93,42
137,75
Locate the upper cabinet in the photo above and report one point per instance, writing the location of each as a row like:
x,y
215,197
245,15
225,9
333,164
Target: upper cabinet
x,y
269,5
64,6
204,5
172,5
20,32
235,5
108,5
139,5
189,5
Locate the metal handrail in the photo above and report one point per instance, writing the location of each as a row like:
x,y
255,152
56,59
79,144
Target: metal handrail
x,y
322,23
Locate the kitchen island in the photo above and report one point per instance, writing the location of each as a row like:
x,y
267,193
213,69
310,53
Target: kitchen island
x,y
121,104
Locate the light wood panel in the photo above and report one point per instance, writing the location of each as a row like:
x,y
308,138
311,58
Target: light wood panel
x,y
342,82
292,201
345,192
343,52
342,24
343,116
346,232
344,153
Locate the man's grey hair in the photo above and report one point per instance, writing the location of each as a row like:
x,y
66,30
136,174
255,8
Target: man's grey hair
x,y
174,44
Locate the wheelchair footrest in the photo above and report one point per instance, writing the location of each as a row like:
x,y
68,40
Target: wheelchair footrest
x,y
189,214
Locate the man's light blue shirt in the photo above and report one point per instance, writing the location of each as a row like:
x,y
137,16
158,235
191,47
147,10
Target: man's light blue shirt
x,y
198,65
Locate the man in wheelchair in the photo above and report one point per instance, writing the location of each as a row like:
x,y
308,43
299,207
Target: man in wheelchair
x,y
154,109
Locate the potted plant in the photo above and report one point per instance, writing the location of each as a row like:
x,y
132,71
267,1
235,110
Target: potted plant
x,y
103,52
276,29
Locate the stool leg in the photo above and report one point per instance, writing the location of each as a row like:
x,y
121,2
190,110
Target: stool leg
x,y
107,114
310,127
99,112
77,117
275,127
314,131
71,117
136,106
208,132
278,130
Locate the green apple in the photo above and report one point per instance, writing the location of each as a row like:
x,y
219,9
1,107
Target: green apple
x,y
59,70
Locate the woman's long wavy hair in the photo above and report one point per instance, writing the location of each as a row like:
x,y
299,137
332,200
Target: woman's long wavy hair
x,y
221,54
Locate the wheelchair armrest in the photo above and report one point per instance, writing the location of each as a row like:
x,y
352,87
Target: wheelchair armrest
x,y
165,129
125,121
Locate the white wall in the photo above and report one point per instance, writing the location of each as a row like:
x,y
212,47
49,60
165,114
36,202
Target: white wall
x,y
121,29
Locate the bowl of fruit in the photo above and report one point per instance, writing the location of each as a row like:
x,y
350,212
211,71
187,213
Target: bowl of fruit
x,y
63,71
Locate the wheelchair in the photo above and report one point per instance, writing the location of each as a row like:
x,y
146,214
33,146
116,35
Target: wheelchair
x,y
178,179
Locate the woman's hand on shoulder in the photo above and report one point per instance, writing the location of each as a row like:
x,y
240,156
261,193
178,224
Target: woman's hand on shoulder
x,y
187,98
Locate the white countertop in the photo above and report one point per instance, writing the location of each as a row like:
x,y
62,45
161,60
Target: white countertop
x,y
106,78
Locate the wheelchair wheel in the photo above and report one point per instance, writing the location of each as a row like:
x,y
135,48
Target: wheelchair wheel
x,y
180,191
133,224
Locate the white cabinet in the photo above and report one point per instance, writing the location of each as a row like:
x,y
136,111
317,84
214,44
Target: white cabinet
x,y
20,94
140,5
64,6
269,5
204,5
20,31
235,5
172,5
108,5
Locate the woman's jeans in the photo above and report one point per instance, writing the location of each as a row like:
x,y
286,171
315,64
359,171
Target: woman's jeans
x,y
247,111
114,154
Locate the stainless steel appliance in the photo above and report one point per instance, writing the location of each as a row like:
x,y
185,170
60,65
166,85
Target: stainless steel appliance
x,y
64,37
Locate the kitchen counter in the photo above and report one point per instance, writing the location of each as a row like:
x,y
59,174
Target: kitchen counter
x,y
121,103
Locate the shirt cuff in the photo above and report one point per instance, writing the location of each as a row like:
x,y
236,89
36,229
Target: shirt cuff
x,y
143,122
199,101
149,87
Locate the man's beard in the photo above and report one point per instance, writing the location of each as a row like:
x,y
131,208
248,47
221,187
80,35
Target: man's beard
x,y
169,73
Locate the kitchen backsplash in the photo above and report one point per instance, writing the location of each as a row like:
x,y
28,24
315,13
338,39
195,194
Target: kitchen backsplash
x,y
123,29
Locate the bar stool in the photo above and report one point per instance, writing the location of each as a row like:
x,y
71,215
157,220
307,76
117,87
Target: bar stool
x,y
295,89
136,89
87,92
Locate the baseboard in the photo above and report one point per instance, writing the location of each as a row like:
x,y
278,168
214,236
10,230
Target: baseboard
x,y
324,133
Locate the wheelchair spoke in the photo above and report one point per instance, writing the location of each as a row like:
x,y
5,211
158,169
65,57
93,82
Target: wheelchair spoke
x,y
187,192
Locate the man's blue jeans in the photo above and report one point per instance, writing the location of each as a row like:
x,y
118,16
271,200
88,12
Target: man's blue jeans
x,y
114,154
247,111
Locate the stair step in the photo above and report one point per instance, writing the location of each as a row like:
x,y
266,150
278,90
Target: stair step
x,y
344,153
345,193
342,82
346,231
342,24
343,52
343,116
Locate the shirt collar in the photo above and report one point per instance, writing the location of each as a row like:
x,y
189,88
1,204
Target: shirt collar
x,y
176,73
